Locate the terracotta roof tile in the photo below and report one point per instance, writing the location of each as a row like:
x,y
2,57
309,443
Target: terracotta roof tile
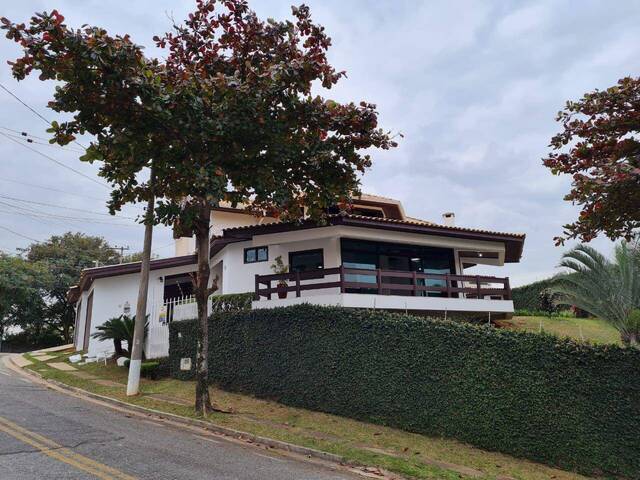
x,y
411,221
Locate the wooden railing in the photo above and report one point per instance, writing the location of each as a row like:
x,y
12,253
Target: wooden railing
x,y
414,283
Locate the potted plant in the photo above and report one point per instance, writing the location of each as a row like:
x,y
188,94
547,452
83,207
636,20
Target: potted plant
x,y
280,268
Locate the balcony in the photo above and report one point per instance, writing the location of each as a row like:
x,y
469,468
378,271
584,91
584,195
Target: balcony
x,y
385,289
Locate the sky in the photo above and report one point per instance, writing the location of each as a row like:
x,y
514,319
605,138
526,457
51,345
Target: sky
x,y
473,86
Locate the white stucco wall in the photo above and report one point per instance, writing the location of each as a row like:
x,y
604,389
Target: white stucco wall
x,y
220,220
110,295
239,277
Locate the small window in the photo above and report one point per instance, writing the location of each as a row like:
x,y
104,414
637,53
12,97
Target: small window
x,y
257,254
306,261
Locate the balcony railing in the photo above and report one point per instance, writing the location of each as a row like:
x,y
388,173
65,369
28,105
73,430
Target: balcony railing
x,y
381,282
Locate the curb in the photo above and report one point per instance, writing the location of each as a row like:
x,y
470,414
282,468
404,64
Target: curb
x,y
217,429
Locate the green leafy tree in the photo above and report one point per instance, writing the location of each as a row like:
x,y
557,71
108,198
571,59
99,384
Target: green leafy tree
x,y
229,116
22,292
118,329
600,148
607,289
131,257
65,256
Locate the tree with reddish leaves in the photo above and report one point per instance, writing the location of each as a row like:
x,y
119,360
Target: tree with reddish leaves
x,y
599,147
229,116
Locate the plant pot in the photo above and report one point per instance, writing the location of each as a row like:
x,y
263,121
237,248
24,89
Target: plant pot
x,y
282,291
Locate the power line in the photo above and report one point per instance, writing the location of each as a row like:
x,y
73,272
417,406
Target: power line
x,y
163,246
65,208
55,161
51,217
23,103
23,133
62,217
20,234
33,110
24,137
18,182
54,222
50,189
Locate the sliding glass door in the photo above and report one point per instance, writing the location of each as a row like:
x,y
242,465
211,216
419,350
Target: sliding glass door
x,y
368,255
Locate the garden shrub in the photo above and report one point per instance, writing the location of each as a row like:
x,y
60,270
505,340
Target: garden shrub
x,y
150,370
572,405
535,297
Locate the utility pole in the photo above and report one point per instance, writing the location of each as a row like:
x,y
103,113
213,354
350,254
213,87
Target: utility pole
x,y
122,249
133,383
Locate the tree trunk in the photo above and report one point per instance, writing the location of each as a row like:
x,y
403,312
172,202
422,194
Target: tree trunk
x,y
203,400
135,363
66,328
630,339
117,347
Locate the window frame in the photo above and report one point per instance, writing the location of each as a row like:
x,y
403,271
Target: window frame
x,y
244,254
313,250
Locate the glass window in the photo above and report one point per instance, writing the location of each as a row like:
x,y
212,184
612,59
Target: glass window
x,y
369,255
256,254
176,286
306,261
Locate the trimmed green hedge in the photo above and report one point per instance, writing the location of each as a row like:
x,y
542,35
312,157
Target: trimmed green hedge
x,y
231,302
567,404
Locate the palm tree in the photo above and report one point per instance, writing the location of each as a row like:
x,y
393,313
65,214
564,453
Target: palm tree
x,y
118,329
607,289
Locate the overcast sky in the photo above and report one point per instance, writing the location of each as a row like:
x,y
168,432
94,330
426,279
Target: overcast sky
x,y
473,86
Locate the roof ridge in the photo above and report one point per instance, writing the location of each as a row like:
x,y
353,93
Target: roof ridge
x,y
437,225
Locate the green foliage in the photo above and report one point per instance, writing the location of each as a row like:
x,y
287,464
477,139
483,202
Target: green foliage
x,y
599,148
607,289
524,312
227,115
65,256
150,370
236,122
28,340
153,370
231,302
119,329
131,257
22,294
535,297
529,395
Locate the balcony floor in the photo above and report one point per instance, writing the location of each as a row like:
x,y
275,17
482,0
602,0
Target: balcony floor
x,y
392,302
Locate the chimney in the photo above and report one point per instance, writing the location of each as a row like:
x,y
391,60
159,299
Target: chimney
x,y
449,219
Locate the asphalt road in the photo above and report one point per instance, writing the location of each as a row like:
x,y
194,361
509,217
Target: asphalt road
x,y
47,434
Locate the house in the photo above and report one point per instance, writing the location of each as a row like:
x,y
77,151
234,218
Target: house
x,y
374,256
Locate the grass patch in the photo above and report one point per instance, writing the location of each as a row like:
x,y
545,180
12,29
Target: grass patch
x,y
591,330
411,455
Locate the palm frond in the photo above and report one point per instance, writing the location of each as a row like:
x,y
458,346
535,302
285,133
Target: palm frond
x,y
607,289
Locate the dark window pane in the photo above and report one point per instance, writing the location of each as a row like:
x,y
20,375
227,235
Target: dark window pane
x,y
306,261
263,254
250,255
364,254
